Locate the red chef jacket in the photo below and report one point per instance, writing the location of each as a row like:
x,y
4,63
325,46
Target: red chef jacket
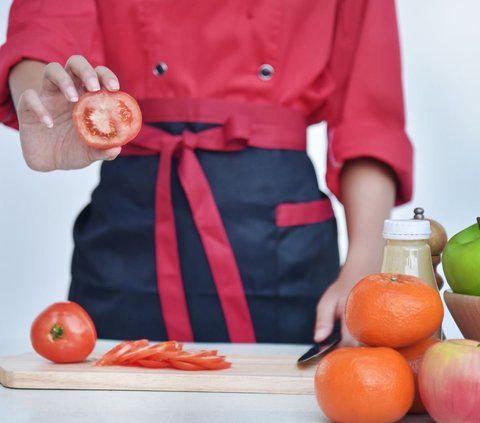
x,y
295,62
270,51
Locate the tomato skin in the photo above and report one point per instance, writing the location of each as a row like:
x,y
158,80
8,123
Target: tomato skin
x,y
105,119
73,337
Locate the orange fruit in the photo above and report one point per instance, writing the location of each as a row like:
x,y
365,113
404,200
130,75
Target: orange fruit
x,y
392,310
364,385
414,355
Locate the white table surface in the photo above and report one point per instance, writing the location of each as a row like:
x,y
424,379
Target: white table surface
x,y
75,406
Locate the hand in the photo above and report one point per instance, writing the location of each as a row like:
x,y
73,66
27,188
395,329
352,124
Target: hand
x,y
331,307
368,193
47,134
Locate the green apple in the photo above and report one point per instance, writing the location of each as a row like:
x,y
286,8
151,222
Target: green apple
x,y
461,261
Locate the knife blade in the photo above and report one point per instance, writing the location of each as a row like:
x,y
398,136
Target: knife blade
x,y
323,347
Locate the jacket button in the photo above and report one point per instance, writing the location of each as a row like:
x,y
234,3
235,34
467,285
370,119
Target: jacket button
x,y
160,69
265,72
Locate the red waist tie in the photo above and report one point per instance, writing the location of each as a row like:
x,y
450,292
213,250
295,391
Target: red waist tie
x,y
243,125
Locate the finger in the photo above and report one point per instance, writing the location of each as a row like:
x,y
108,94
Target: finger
x,y
30,101
57,78
80,68
95,154
325,319
107,78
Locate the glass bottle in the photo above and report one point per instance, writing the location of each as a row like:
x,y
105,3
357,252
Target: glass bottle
x,y
407,251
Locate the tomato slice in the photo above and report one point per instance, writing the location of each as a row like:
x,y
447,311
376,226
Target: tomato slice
x,y
153,364
207,363
182,365
202,353
105,119
147,351
166,355
113,356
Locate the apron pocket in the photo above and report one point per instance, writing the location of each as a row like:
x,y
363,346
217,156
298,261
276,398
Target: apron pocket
x,y
307,262
305,213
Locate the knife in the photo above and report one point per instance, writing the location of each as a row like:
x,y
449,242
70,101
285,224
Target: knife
x,y
323,347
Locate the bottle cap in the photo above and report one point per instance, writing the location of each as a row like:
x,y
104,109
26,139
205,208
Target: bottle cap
x,y
406,229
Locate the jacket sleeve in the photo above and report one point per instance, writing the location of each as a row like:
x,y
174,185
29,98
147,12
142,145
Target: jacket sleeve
x,y
365,114
48,31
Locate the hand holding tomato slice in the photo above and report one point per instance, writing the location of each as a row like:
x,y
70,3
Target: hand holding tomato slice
x,y
63,333
44,108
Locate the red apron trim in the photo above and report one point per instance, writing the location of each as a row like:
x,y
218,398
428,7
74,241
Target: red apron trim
x,y
293,214
170,289
242,127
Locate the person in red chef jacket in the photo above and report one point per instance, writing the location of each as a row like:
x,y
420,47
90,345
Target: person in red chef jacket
x,y
210,226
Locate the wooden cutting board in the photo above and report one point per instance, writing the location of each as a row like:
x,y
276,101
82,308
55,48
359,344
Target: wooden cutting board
x,y
248,374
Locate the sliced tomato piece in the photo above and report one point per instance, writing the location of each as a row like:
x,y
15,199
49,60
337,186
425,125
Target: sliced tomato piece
x,y
134,354
202,353
113,356
182,365
107,358
148,351
166,355
105,119
217,366
153,364
207,364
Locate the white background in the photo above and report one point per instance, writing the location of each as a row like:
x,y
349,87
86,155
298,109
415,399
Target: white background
x,y
441,63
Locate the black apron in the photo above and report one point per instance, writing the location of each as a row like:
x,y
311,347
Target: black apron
x,y
284,268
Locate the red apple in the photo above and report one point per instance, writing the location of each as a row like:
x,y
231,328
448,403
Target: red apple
x,y
449,381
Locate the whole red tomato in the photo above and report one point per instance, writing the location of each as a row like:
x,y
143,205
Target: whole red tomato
x,y
63,333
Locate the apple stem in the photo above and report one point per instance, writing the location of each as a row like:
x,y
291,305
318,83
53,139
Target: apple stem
x,y
478,221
